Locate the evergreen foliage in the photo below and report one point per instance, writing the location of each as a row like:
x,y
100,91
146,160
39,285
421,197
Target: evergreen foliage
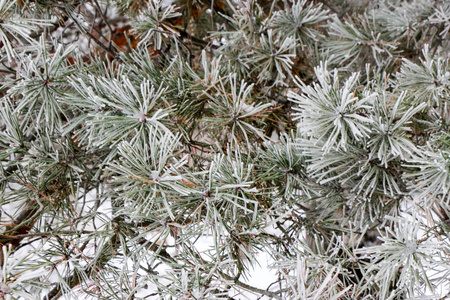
x,y
154,149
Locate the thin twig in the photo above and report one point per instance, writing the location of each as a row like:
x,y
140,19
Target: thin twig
x,y
104,47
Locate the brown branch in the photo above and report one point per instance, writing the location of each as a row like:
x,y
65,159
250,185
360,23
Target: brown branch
x,y
35,189
20,226
143,179
250,288
9,237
